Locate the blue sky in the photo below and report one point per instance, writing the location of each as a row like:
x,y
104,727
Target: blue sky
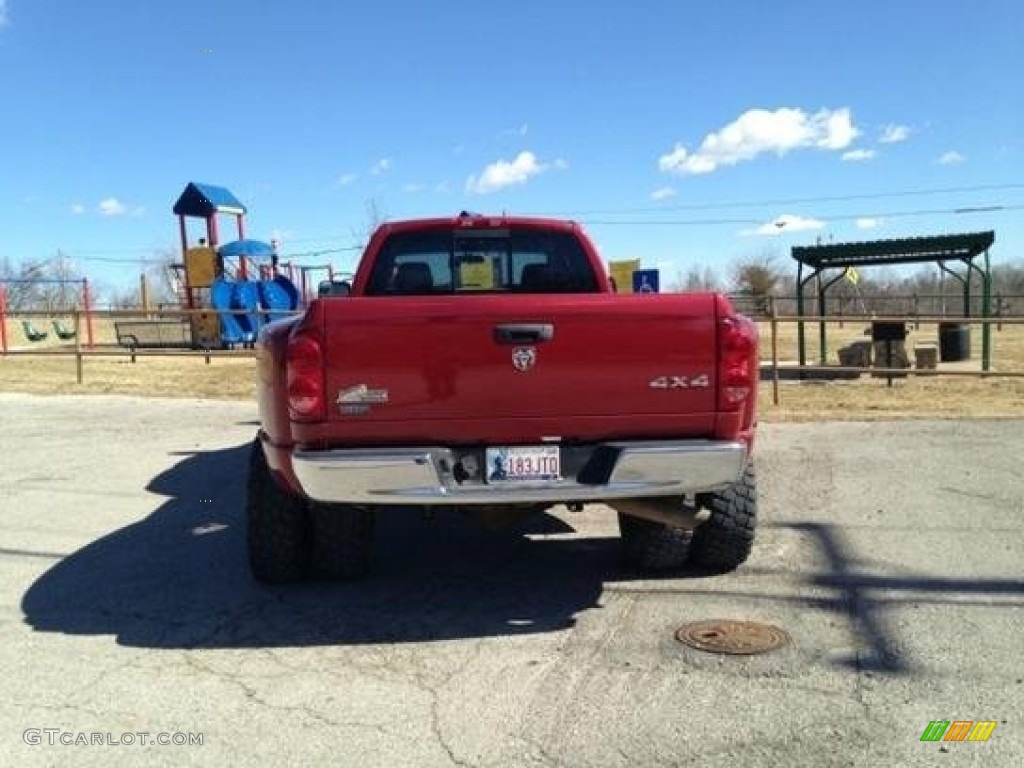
x,y
679,133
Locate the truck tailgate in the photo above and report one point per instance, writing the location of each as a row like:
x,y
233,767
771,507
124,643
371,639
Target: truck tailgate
x,y
475,359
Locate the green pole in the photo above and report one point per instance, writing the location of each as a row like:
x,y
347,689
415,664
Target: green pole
x,y
821,323
986,312
800,313
967,291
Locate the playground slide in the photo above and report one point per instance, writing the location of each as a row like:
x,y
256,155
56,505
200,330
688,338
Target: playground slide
x,y
234,329
247,298
279,297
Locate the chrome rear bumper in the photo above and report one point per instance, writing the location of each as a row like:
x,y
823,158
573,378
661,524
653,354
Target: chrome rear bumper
x,y
424,475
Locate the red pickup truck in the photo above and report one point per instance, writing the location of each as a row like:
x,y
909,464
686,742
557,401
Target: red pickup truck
x,y
485,363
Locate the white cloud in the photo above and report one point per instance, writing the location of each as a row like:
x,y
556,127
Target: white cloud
x,y
560,164
785,224
76,208
951,158
112,207
345,179
412,187
502,173
758,131
859,155
381,166
663,193
869,223
4,17
894,134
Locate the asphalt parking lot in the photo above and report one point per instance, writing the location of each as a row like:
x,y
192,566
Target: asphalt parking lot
x,y
891,553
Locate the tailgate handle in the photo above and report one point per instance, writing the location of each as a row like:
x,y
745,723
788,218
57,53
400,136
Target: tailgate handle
x,y
524,333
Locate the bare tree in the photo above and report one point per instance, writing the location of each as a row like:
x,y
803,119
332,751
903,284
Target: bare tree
x,y
123,298
160,284
160,277
374,217
48,284
701,279
756,278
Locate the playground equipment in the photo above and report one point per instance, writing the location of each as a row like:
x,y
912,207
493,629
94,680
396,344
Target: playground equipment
x,y
218,276
63,332
231,289
32,332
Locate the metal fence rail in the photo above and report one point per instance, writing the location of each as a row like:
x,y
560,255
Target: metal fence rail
x,y
879,372
81,351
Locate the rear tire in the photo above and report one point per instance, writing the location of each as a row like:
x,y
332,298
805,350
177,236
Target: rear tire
x,y
278,526
342,541
652,547
725,541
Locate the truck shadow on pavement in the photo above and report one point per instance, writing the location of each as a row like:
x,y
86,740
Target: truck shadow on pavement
x,y
180,578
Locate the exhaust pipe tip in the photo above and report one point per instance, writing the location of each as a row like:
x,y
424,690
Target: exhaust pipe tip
x,y
672,513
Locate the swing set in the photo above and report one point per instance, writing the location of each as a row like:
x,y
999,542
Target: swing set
x,y
61,329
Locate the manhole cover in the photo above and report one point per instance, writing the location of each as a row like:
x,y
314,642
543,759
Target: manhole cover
x,y
736,637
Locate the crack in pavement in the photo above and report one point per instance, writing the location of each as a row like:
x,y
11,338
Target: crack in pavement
x,y
418,675
253,695
64,708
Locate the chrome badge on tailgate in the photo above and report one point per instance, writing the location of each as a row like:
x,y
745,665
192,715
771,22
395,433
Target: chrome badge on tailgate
x,y
357,400
701,381
524,358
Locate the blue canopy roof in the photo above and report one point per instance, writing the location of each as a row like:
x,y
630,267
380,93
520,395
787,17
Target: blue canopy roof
x,y
205,200
253,248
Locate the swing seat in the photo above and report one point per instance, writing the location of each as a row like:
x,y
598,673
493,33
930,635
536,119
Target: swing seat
x,y
63,332
32,333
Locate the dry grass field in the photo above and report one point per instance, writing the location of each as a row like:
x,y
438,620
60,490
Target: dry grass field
x,y
863,399
870,399
1007,344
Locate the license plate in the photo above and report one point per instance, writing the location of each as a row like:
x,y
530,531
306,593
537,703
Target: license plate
x,y
516,464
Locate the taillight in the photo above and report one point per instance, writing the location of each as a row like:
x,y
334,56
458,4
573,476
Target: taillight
x,y
306,401
737,362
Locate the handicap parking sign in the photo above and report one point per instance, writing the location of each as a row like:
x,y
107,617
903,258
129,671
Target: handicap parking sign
x,y
645,281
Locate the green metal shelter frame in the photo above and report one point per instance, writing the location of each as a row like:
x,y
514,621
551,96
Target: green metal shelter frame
x,y
964,248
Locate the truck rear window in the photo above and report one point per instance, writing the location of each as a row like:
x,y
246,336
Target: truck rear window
x,y
481,261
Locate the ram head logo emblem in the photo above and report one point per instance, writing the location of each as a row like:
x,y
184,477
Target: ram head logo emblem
x,y
524,358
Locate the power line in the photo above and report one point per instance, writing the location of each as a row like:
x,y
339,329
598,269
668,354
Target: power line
x,y
116,250
843,217
324,239
313,254
104,255
956,211
114,259
794,200
75,255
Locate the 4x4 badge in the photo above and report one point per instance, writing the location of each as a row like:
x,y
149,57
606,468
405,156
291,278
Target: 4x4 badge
x,y
524,358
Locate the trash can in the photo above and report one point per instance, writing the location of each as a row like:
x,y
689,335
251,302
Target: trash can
x,y
954,342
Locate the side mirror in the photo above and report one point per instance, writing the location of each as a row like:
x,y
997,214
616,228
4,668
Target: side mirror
x,y
334,288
